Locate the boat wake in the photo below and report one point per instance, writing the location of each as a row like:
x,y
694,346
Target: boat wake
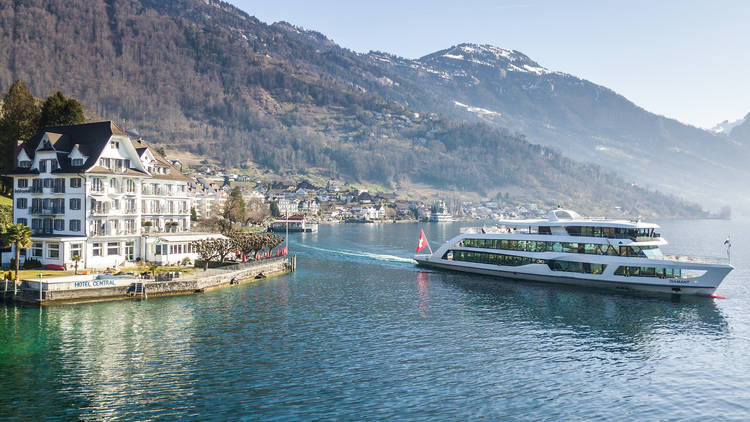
x,y
361,254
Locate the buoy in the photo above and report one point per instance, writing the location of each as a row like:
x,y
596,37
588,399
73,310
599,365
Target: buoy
x,y
715,296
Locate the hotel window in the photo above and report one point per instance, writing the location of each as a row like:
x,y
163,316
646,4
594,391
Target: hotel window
x,y
113,248
36,223
23,183
97,249
127,164
78,162
76,249
42,166
113,183
74,225
75,182
75,203
36,249
53,250
59,224
21,221
96,185
21,203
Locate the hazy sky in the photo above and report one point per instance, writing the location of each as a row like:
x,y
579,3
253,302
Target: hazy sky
x,y
689,60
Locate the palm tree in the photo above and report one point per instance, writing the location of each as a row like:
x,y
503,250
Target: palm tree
x,y
19,236
76,259
153,268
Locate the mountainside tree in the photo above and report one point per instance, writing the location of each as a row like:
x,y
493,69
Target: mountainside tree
x,y
59,110
20,121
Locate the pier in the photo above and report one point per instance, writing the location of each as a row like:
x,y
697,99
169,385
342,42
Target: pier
x,y
72,289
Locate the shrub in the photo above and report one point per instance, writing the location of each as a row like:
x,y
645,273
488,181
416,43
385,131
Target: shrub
x,y
31,264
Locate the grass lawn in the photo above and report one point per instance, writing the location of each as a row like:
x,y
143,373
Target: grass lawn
x,y
24,274
4,200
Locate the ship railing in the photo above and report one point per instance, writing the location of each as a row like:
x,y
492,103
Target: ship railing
x,y
695,259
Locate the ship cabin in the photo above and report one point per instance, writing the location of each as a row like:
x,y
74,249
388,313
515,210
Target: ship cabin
x,y
558,233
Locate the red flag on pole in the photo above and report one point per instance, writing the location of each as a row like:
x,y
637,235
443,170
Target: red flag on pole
x,y
422,241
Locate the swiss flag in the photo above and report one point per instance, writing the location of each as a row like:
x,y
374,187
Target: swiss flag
x,y
422,241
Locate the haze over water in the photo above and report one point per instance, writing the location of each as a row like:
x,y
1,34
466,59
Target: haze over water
x,y
358,332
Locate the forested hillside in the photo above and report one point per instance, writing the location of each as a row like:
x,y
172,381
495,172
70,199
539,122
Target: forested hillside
x,y
205,77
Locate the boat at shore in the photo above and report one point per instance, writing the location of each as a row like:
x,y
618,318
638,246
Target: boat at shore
x,y
569,249
293,224
439,213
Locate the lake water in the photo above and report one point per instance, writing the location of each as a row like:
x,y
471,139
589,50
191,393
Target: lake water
x,y
358,332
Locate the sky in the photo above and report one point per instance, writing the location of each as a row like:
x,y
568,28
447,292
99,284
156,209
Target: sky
x,y
687,60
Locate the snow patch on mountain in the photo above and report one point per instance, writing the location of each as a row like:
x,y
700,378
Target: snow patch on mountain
x,y
478,110
726,126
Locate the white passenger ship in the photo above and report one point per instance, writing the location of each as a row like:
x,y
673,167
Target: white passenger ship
x,y
567,248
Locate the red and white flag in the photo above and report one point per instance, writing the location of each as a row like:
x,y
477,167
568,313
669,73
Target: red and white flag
x,y
422,241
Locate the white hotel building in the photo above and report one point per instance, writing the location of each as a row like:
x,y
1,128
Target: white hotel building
x,y
90,190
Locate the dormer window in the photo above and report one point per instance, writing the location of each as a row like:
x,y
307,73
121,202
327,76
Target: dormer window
x,y
114,145
24,164
78,161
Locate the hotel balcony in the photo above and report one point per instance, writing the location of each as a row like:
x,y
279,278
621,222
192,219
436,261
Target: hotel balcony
x,y
48,211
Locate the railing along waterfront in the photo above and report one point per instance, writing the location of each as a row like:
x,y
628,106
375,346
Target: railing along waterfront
x,y
199,273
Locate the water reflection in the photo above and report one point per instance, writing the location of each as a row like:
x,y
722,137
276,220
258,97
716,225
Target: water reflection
x,y
622,318
424,293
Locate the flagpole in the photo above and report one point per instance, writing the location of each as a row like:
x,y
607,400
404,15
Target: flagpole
x,y
428,244
729,248
286,238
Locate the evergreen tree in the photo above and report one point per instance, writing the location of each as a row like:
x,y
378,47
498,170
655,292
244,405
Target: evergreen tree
x,y
234,207
20,119
275,211
59,110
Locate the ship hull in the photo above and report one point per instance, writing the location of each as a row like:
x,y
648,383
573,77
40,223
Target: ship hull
x,y
518,273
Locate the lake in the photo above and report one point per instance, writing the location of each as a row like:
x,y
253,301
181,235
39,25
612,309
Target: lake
x,y
359,332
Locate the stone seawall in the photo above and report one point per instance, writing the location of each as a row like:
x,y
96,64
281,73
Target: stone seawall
x,y
197,282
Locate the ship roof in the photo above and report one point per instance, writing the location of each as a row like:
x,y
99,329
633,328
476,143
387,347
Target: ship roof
x,y
561,217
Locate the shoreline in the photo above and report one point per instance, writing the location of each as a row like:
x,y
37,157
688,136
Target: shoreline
x,y
134,288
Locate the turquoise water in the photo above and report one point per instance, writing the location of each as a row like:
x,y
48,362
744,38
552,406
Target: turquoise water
x,y
358,332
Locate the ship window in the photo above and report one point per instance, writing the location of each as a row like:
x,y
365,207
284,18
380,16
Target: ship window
x,y
648,272
573,230
545,230
490,258
576,267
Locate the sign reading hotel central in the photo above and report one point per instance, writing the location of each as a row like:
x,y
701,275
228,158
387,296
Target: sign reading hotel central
x,y
93,283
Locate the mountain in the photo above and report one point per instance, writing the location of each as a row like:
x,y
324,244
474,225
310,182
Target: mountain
x,y
741,131
726,126
202,76
584,120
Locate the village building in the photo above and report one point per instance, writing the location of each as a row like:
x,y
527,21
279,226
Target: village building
x,y
92,191
208,197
